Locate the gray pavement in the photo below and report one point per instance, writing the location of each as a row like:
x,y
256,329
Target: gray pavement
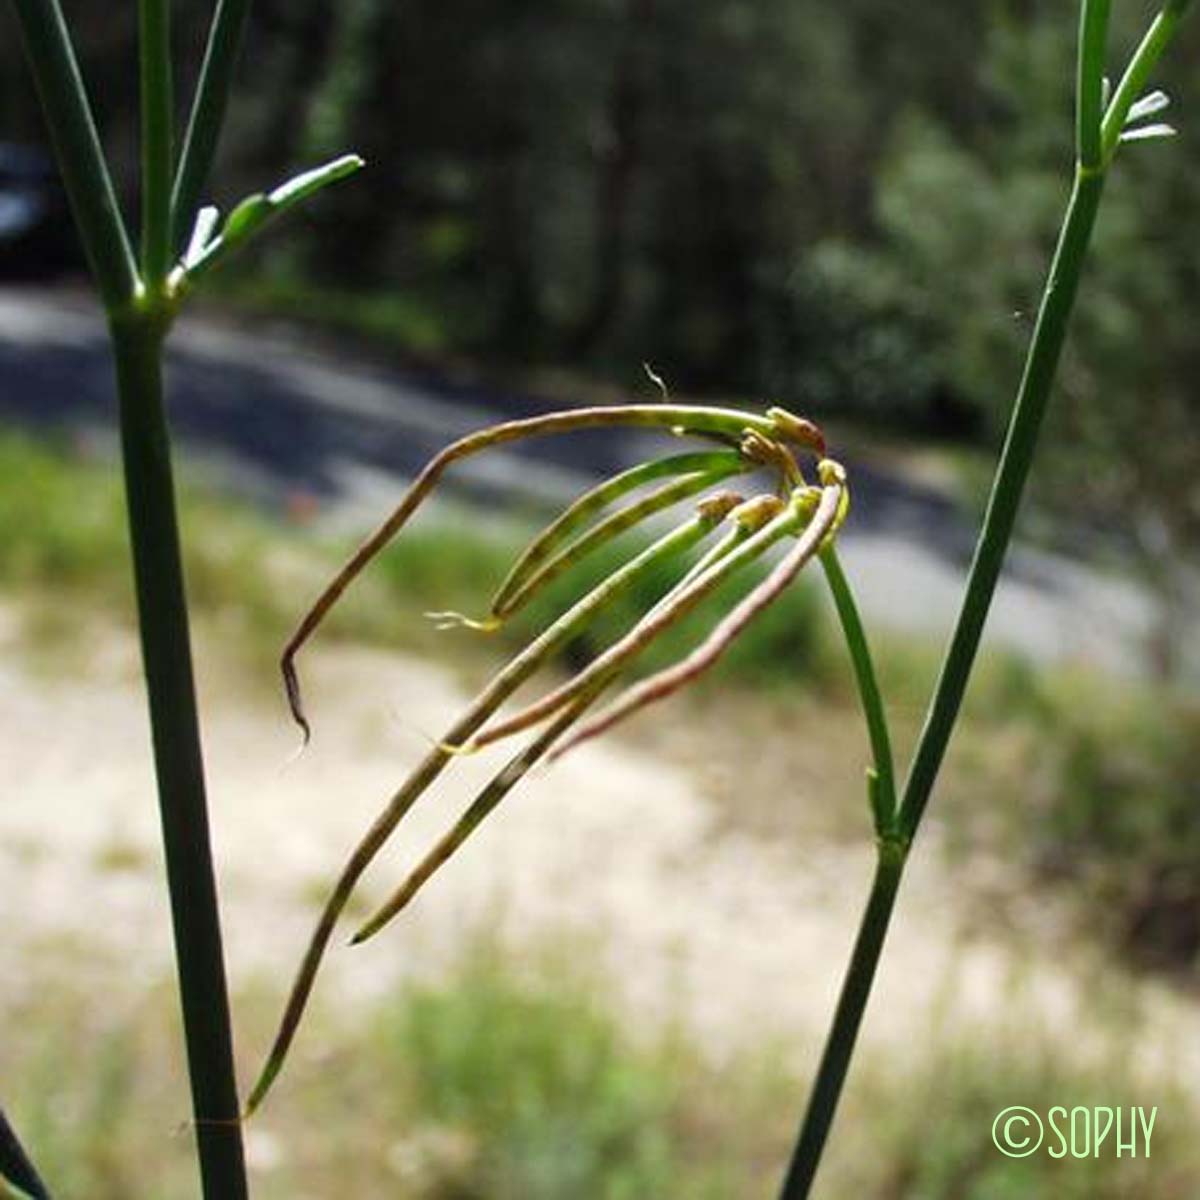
x,y
273,417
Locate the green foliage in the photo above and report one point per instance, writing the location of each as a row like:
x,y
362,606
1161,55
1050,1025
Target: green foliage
x,y
554,1099
1118,821
60,527
956,320
517,1080
504,1081
930,1129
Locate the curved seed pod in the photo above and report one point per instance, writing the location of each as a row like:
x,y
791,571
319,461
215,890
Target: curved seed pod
x,y
727,425
681,602
581,511
532,572
668,682
493,695
484,804
747,518
612,527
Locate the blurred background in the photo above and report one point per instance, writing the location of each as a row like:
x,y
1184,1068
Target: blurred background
x,y
621,988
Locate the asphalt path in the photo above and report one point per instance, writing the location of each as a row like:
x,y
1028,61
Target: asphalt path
x,y
285,422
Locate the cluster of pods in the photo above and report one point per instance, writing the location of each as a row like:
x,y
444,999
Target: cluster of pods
x,y
723,533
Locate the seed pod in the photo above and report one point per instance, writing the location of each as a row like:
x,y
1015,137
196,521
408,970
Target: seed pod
x,y
611,527
723,425
667,682
592,502
484,804
618,656
677,542
791,428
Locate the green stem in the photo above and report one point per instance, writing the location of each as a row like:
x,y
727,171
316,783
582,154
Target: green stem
x,y
80,157
154,55
852,1003
207,116
1145,59
166,655
1011,474
1089,104
868,688
1013,469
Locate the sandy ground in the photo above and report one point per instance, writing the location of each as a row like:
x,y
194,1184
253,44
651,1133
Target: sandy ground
x,y
741,938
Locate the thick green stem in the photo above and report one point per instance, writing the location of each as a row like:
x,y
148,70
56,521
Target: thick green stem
x,y
208,115
80,157
166,654
154,55
856,988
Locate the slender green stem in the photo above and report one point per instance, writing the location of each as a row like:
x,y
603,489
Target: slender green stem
x,y
1011,474
1089,104
80,157
1145,59
154,56
166,655
868,687
207,115
852,1003
1012,471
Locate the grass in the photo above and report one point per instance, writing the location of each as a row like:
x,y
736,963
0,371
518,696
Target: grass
x,y
519,1079
926,1135
390,320
1106,781
501,1081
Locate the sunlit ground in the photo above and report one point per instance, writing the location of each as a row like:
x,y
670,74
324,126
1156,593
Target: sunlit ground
x,y
619,988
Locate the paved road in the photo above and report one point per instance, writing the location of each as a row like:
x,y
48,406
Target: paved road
x,y
274,417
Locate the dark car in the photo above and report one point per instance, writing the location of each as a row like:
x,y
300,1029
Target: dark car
x,y
37,240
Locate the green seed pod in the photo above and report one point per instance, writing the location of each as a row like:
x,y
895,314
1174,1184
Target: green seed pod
x,y
502,686
663,616
796,429
484,804
508,602
582,510
667,682
723,425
